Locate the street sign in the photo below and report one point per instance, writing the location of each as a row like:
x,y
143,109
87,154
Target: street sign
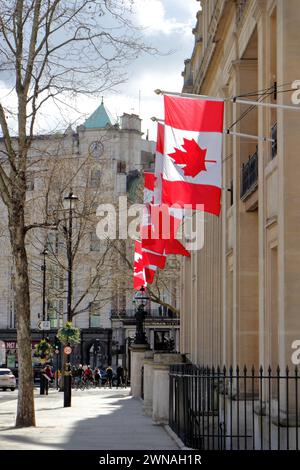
x,y
67,350
43,325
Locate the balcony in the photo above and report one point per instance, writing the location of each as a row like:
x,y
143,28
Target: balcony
x,y
274,137
249,175
155,314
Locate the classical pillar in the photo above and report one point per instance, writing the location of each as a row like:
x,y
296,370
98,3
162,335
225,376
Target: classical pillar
x,y
161,365
137,352
148,383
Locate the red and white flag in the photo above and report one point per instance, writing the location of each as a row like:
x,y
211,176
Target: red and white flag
x,y
139,276
149,183
192,170
159,229
145,265
159,162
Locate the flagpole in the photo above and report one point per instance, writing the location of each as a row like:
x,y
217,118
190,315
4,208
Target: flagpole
x,y
188,95
249,136
233,99
229,132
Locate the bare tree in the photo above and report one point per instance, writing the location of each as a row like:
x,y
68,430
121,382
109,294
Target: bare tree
x,y
56,175
49,50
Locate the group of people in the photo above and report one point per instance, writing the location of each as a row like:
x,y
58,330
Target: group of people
x,y
84,374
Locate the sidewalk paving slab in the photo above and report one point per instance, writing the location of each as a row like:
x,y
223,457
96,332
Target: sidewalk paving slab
x,y
102,419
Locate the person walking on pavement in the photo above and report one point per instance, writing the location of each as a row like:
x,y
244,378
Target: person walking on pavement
x,y
109,375
47,373
97,376
120,376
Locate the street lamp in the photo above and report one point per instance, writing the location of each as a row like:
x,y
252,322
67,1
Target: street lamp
x,y
43,268
69,204
140,300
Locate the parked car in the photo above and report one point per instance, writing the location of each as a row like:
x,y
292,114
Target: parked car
x,y
7,379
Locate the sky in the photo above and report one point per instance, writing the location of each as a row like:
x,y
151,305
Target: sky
x,y
166,25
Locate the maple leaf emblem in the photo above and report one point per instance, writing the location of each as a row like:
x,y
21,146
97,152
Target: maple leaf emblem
x,y
139,265
193,158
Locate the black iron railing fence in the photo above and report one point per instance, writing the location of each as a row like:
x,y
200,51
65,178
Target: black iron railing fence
x,y
235,409
153,313
274,137
249,174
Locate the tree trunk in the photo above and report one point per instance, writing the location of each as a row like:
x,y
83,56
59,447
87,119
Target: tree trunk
x,y
25,411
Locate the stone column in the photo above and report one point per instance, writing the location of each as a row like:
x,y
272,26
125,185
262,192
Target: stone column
x,y
148,383
161,364
137,352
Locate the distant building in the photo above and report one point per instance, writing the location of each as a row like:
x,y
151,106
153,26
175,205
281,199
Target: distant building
x,y
104,157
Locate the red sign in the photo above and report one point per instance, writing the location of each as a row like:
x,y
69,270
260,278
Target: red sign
x,y
67,350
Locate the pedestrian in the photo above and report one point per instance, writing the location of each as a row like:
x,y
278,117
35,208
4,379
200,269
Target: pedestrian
x,y
120,376
97,376
125,372
48,375
109,375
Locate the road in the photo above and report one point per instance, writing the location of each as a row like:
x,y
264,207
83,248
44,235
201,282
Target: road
x,y
8,395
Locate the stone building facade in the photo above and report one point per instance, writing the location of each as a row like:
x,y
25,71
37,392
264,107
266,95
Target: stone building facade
x,y
240,294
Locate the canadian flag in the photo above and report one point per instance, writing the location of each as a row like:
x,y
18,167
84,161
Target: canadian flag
x,y
145,265
160,222
193,153
139,276
150,259
159,234
159,162
149,183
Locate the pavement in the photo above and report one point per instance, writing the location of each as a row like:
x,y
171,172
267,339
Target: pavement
x,y
99,419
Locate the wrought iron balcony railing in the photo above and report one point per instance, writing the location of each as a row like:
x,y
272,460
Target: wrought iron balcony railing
x,y
274,137
153,313
249,175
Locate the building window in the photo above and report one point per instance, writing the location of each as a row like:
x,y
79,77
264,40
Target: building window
x,y
121,167
61,281
52,315
61,307
95,178
94,242
95,314
163,341
52,243
274,137
30,181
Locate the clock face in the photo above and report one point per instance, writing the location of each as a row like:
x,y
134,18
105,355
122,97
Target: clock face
x,y
96,149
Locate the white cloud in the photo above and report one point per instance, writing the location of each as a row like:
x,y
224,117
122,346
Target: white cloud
x,y
152,15
168,25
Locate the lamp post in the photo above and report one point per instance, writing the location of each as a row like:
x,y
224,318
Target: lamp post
x,y
43,268
140,300
70,203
